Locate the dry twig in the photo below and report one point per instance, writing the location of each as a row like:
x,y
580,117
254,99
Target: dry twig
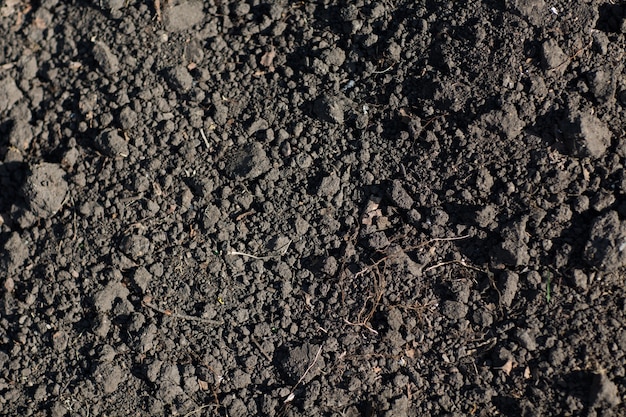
x,y
147,301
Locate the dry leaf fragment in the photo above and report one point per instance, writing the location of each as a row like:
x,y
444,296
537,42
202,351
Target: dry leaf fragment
x,y
371,210
508,366
39,23
203,385
268,58
527,373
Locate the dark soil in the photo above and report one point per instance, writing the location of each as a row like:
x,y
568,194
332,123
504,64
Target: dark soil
x,y
398,208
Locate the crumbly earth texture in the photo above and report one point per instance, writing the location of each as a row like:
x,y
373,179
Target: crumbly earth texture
x,y
313,208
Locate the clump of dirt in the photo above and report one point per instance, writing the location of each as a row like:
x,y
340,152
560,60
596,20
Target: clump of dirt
x,y
312,208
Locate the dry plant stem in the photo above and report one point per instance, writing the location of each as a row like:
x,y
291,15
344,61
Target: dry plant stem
x,y
261,258
157,7
462,263
258,346
204,138
400,251
317,355
146,302
197,410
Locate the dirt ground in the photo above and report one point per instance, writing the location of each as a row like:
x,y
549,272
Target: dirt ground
x,y
312,208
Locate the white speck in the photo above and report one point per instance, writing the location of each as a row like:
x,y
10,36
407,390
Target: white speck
x,y
554,10
366,109
622,246
349,85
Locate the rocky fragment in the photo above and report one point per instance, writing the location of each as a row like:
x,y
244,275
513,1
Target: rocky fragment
x,y
142,278
514,247
298,359
128,118
508,287
183,16
104,299
399,196
249,162
607,242
9,93
454,310
45,189
533,10
329,186
586,135
506,121
169,383
108,377
604,392
603,84
105,58
135,246
21,135
111,144
14,254
179,78
329,109
552,56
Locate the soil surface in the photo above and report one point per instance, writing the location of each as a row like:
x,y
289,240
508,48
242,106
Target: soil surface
x,y
324,208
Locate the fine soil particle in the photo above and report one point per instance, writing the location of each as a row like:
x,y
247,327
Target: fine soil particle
x,y
312,208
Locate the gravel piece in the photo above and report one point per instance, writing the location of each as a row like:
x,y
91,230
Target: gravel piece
x,y
105,58
45,189
111,144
